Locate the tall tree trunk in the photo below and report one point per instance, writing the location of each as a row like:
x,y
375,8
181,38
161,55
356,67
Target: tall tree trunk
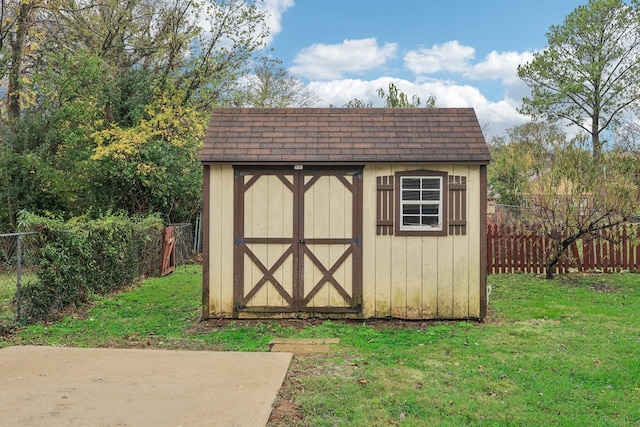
x,y
562,248
18,45
595,138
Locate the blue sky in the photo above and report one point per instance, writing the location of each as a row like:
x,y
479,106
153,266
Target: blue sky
x,y
463,52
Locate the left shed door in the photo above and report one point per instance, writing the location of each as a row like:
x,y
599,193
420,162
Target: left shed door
x,y
265,232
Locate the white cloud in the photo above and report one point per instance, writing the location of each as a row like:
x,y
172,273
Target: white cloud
x,y
502,66
328,62
275,9
455,58
340,92
450,56
498,116
326,65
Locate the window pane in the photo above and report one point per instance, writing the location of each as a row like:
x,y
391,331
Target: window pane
x,y
431,183
410,220
430,195
410,195
411,183
430,209
411,209
429,220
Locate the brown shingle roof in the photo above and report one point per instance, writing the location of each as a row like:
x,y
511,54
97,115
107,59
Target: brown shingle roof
x,y
344,135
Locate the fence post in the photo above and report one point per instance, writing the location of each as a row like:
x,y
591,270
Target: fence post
x,y
19,275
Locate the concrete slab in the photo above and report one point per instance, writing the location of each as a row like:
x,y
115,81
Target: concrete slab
x,y
121,387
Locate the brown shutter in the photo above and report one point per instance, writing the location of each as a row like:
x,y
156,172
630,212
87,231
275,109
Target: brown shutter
x,y
457,205
384,205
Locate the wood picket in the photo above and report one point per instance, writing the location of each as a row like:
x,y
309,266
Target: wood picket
x,y
515,249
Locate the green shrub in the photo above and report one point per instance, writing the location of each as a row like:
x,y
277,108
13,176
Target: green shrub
x,y
83,257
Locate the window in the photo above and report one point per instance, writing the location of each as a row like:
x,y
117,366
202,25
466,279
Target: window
x,y
421,203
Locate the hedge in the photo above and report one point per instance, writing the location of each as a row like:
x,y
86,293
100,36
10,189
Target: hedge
x,y
80,258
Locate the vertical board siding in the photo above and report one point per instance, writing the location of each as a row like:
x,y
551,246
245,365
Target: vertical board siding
x,y
460,241
376,279
430,279
220,241
423,277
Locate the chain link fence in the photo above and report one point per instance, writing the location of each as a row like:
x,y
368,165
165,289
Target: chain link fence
x,y
18,261
183,233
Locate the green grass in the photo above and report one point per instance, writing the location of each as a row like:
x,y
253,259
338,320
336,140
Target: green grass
x,y
559,353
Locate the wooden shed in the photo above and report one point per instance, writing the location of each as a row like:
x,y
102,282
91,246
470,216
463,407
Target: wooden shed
x,y
339,212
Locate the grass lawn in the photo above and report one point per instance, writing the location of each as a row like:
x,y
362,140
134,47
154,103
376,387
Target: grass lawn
x,y
562,352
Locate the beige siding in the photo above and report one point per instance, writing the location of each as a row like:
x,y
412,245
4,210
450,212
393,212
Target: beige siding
x,y
474,202
422,276
221,241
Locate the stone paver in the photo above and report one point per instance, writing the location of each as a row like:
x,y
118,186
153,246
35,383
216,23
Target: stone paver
x,y
302,345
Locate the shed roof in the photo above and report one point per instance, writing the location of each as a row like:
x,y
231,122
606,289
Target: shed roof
x,y
344,135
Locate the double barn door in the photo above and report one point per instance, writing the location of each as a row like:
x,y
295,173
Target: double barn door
x,y
298,240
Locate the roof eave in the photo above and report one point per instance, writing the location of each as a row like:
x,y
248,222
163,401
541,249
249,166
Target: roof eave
x,y
342,162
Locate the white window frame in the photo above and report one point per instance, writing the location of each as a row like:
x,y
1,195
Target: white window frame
x,y
439,203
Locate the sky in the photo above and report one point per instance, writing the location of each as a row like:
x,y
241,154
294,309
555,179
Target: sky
x,y
465,53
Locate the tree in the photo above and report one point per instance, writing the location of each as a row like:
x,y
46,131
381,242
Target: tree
x,y
590,71
77,76
517,158
196,49
209,76
271,85
358,103
395,98
44,154
627,131
578,195
153,166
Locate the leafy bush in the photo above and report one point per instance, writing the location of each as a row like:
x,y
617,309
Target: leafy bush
x,y
79,258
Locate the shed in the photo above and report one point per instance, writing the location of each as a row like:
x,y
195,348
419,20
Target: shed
x,y
341,212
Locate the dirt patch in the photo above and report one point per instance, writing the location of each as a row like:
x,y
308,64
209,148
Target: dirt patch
x,y
593,282
208,325
604,288
285,412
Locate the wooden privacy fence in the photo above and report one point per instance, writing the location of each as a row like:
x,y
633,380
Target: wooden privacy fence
x,y
513,249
